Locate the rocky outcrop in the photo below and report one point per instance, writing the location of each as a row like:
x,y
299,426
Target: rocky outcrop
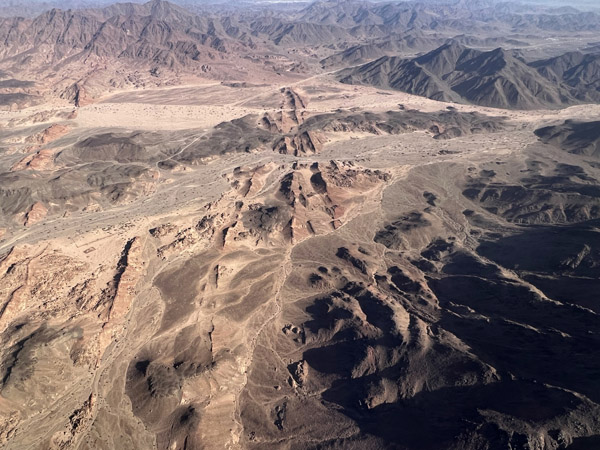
x,y
36,213
302,144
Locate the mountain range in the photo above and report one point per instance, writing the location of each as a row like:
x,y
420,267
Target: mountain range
x,y
81,54
496,78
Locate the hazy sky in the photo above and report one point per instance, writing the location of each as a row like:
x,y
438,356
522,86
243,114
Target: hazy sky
x,y
65,4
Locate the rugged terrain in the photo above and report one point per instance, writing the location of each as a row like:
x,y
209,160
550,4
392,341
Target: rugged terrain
x,y
496,78
259,256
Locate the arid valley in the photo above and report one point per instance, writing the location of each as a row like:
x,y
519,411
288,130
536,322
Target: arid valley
x,y
330,225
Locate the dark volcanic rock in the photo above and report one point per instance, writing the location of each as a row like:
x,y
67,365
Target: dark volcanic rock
x,y
496,78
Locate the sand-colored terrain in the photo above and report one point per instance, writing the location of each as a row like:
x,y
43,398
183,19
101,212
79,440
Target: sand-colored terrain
x,y
235,227
213,307
208,241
